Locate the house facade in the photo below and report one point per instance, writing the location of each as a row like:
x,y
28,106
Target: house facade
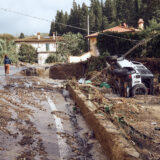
x,y
44,45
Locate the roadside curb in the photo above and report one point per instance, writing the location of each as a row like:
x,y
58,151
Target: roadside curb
x,y
113,143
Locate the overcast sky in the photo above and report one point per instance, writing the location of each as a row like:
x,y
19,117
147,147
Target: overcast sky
x,y
15,24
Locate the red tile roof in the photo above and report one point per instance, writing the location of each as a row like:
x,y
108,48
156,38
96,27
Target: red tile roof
x,y
121,29
115,29
35,39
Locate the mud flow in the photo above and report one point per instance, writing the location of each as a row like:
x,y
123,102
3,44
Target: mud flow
x,y
39,121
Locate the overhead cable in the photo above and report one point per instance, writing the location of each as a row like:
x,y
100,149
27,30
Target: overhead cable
x,y
67,25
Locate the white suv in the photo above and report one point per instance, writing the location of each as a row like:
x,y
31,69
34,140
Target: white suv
x,y
129,77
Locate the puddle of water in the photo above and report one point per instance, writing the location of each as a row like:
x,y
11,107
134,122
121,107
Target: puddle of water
x,y
4,80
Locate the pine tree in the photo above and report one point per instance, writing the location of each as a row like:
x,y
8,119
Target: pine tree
x,y
52,28
150,10
96,9
109,10
60,23
74,18
104,14
21,36
120,7
83,18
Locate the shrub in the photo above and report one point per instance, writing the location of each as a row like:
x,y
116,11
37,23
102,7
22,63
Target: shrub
x,y
96,63
9,48
7,37
27,54
52,58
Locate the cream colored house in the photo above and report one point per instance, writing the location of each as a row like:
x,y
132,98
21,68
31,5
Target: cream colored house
x,y
44,45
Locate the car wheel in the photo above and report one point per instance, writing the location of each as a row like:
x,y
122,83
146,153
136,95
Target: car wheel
x,y
139,89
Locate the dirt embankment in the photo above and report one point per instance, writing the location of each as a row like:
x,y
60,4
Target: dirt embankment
x,y
67,71
133,123
58,71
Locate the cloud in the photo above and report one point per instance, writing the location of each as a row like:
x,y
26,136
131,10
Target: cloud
x,y
15,24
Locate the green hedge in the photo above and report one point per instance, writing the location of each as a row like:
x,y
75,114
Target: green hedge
x,y
119,43
96,63
153,47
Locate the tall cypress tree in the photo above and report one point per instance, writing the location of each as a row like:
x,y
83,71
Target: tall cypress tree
x,y
96,9
109,10
59,24
74,18
52,28
150,9
83,18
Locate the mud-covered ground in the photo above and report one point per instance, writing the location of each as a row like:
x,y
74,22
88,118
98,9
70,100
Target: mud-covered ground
x,y
136,118
38,121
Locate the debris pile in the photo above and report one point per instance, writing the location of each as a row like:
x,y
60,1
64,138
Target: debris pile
x,y
136,118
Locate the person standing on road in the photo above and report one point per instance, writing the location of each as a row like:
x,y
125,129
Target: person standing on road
x,y
7,63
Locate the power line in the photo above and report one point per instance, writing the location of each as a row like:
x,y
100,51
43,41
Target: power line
x,y
41,19
50,21
26,15
120,37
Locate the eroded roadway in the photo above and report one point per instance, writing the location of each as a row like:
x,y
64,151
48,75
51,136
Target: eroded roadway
x,y
37,122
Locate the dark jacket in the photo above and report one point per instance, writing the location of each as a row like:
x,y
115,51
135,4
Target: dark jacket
x,y
7,61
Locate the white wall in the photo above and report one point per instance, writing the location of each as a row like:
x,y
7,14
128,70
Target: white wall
x,y
42,57
41,47
76,59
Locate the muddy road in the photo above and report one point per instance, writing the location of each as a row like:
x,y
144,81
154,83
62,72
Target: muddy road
x,y
38,121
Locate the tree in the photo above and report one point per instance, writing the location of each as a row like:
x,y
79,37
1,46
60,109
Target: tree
x,y
59,25
153,25
59,21
7,37
9,48
109,10
71,44
105,14
74,18
27,53
96,9
150,9
83,18
52,29
21,36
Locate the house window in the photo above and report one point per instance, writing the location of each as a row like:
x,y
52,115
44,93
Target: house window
x,y
47,47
